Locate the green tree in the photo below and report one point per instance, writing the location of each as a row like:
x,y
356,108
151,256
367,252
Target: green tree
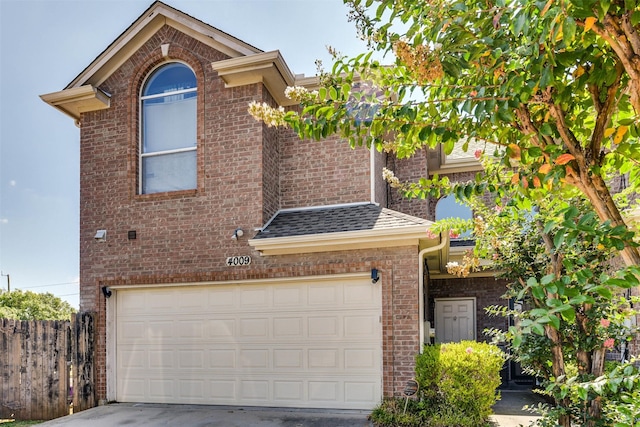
x,y
557,258
27,305
553,85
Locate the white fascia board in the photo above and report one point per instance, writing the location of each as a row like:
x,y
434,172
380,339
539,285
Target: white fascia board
x,y
331,242
76,101
268,68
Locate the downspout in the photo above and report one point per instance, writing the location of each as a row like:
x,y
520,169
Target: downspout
x,y
372,166
444,240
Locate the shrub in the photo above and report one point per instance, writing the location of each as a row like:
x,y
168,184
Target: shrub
x,y
458,383
428,372
470,376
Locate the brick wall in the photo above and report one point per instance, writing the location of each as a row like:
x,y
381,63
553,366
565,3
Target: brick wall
x,y
246,172
327,172
411,170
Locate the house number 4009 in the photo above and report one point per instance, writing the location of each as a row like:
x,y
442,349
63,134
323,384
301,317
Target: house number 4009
x,y
235,261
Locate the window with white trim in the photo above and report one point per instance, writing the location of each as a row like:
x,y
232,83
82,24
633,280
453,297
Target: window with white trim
x,y
168,136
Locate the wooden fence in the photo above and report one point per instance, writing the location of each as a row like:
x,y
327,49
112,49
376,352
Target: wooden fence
x,y
45,367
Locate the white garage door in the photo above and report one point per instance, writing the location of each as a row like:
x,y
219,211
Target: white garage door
x,y
314,344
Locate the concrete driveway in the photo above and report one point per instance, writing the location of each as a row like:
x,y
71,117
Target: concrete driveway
x,y
138,414
507,413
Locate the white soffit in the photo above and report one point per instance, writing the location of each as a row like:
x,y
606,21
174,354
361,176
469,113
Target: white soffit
x,y
268,68
76,101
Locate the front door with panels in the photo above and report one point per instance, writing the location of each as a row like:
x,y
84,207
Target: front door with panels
x,y
455,319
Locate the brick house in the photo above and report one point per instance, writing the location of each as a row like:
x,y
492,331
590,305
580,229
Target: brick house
x,y
232,263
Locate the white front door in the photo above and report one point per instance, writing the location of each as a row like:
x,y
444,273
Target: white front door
x,y
455,319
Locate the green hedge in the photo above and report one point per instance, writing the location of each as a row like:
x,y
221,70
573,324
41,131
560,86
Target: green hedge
x,y
469,377
458,387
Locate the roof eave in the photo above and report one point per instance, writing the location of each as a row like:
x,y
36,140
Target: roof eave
x,y
331,242
75,101
268,68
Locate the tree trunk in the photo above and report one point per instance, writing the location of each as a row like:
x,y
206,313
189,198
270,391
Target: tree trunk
x,y
594,187
557,364
597,369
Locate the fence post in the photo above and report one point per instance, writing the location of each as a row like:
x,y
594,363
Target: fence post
x,y
83,336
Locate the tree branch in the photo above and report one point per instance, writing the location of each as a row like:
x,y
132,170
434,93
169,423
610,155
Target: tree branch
x,y
625,42
604,116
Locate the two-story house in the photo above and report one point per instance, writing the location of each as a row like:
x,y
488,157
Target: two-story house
x,y
231,263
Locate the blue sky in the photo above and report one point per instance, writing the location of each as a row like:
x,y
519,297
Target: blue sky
x,y
46,44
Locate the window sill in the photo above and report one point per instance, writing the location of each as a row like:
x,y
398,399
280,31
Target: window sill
x,y
167,195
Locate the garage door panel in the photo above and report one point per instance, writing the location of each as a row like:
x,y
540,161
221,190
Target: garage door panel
x,y
288,327
288,391
288,359
287,296
161,300
254,297
131,330
161,359
254,328
221,299
222,359
301,346
195,299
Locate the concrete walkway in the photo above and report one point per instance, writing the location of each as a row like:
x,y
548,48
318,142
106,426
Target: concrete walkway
x,y
508,413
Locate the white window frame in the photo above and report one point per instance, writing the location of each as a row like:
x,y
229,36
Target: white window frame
x,y
141,154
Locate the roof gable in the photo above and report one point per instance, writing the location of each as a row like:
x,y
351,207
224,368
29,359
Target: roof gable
x,y
246,64
138,33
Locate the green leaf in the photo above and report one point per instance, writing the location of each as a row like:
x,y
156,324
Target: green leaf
x,y
568,30
582,393
346,89
545,78
547,279
555,321
333,93
538,328
538,292
546,130
558,239
569,314
518,24
548,226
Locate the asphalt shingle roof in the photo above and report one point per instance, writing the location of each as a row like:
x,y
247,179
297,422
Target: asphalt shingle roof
x,y
337,219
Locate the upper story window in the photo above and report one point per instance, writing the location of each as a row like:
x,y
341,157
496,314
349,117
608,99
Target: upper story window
x,y
449,207
168,130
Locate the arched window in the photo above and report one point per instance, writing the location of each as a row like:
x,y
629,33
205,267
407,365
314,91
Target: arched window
x,y
168,139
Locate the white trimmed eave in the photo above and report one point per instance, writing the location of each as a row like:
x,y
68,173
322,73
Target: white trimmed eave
x,y
76,101
268,68
456,254
146,27
341,241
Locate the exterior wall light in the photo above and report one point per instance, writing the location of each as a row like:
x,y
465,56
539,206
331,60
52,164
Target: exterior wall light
x,y
375,275
106,291
237,233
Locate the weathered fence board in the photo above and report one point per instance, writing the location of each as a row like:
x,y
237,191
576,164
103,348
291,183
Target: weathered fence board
x,y
36,359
